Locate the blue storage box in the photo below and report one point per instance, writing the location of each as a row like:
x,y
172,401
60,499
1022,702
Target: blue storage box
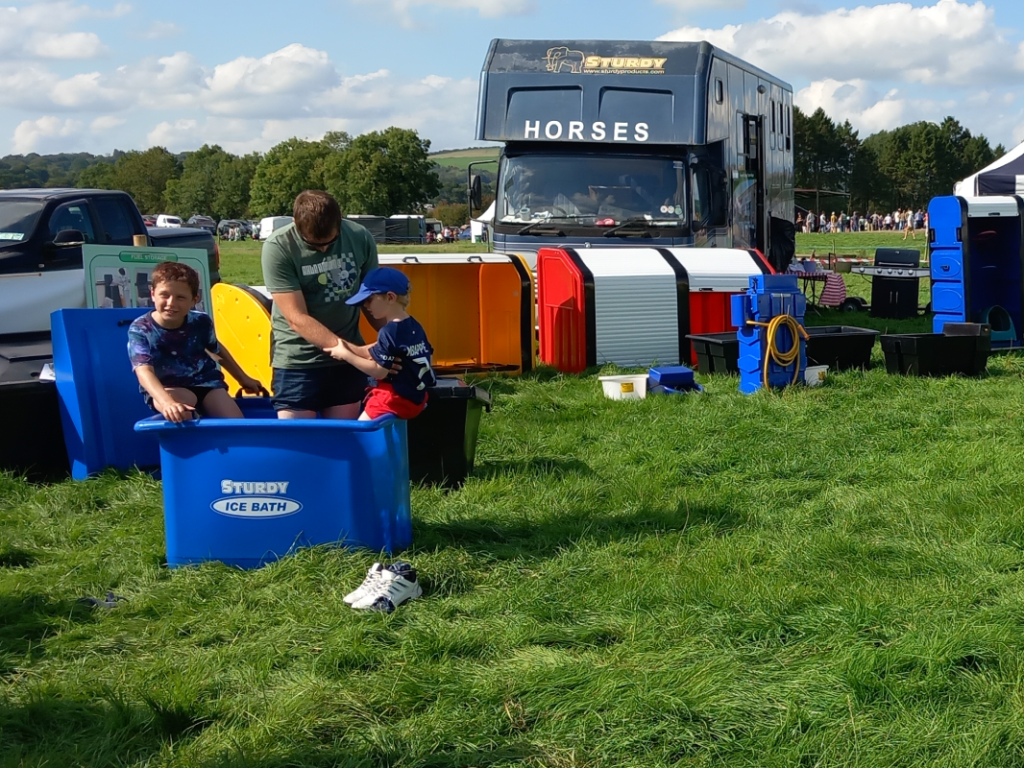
x,y
249,491
674,376
99,395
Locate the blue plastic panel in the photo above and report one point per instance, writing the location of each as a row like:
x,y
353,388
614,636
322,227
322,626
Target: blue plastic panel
x,y
947,216
249,491
948,298
99,395
947,263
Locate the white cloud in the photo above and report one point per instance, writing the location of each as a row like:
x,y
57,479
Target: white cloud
x,y
44,30
275,85
106,123
176,134
948,43
28,134
439,108
890,64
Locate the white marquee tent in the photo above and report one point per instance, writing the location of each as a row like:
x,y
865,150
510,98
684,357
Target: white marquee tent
x,y
1004,177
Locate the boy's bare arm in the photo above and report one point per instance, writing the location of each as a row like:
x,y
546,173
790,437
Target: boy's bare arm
x,y
363,351
248,383
170,408
366,364
293,306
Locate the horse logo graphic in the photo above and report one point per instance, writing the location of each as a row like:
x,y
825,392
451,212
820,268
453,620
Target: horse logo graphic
x,y
559,58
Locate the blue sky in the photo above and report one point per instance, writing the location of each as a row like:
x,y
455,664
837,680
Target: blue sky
x,y
94,76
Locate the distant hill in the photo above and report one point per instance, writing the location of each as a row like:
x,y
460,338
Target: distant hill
x,y
461,158
60,170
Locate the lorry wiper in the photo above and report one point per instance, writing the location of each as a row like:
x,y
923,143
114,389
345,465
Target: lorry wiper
x,y
634,222
542,227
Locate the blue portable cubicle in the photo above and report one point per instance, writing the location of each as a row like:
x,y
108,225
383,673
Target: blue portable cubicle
x,y
977,264
98,393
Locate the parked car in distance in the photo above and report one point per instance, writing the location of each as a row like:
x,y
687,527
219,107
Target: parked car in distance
x,y
202,222
166,220
466,234
241,226
270,223
149,219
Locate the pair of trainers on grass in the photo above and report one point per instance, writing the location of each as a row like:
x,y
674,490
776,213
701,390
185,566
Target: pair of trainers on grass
x,y
385,588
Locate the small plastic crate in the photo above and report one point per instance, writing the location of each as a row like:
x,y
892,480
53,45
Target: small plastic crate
x,y
936,354
673,376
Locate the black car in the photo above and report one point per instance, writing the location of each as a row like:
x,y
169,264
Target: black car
x,y
202,222
242,228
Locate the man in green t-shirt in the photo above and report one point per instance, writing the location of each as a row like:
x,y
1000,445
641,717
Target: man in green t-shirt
x,y
310,268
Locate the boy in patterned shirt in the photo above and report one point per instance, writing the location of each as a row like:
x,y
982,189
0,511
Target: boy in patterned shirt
x,y
174,351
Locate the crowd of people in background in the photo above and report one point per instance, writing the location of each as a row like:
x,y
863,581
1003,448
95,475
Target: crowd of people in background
x,y
446,235
905,221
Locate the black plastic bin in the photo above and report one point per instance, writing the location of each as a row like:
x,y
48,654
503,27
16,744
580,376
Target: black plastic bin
x,y
442,439
840,347
716,352
33,441
937,354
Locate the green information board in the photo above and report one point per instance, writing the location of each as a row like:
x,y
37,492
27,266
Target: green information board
x,y
118,276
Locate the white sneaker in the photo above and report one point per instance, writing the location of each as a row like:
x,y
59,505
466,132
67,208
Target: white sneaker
x,y
390,591
372,577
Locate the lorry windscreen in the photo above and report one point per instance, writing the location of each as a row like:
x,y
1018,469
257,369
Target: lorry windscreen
x,y
592,190
18,219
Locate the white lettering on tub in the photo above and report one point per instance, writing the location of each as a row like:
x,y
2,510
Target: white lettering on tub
x,y
250,488
533,128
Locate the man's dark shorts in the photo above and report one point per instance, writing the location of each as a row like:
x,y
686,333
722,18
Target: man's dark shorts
x,y
317,389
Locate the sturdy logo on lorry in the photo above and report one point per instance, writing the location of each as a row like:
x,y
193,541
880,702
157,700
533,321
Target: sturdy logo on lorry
x,y
255,499
562,58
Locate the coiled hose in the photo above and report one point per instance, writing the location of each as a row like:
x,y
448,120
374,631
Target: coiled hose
x,y
790,356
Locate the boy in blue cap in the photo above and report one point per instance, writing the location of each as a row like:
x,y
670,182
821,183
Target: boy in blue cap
x,y
384,296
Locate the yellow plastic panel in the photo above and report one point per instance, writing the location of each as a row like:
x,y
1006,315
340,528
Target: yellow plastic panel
x,y
243,328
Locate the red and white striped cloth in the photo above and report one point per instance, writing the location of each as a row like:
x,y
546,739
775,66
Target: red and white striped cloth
x,y
833,293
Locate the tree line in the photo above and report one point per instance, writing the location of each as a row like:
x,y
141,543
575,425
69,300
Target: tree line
x,y
901,168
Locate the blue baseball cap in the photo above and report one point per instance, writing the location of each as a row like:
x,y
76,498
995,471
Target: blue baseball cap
x,y
380,280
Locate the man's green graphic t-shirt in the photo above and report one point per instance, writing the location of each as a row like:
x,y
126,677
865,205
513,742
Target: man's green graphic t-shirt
x,y
325,279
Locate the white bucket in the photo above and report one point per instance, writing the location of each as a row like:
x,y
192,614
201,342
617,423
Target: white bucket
x,y
815,375
626,387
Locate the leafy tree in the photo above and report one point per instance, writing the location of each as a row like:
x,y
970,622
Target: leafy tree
x,y
287,169
452,214
382,173
231,192
99,176
824,153
214,183
144,176
193,192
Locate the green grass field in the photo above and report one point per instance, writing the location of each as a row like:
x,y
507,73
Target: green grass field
x,y
817,577
461,158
